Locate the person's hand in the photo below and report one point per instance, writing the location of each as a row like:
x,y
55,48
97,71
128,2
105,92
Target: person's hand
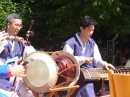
x,y
3,36
18,70
89,60
108,66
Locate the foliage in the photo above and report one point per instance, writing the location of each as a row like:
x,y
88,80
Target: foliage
x,y
5,9
57,20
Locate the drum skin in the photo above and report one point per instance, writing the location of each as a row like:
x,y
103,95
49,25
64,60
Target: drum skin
x,y
42,73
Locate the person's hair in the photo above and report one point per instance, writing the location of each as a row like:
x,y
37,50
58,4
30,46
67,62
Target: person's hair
x,y
87,21
11,17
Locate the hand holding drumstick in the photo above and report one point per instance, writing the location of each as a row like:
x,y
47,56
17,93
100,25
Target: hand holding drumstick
x,y
18,70
5,36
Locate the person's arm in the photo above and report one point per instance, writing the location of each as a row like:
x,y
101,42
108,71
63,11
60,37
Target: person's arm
x,y
80,59
4,71
3,40
28,50
12,70
98,62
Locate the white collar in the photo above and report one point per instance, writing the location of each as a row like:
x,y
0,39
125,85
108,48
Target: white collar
x,y
12,44
83,46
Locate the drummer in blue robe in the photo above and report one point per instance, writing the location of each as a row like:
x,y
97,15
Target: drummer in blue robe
x,y
11,50
9,70
87,54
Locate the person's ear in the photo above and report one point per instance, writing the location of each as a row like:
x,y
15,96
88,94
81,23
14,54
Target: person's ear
x,y
8,24
81,28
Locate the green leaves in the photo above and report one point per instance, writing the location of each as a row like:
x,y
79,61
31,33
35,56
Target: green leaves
x,y
59,19
6,7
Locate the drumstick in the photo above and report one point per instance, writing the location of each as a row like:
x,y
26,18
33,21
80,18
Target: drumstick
x,y
15,38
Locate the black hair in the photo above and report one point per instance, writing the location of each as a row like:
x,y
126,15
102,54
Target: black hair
x,y
87,21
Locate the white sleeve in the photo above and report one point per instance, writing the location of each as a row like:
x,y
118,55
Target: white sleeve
x,y
80,59
98,62
28,50
1,48
2,44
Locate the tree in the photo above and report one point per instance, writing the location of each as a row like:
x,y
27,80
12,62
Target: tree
x,y
6,7
57,20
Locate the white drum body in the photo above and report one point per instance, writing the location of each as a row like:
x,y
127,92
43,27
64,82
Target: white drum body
x,y
50,70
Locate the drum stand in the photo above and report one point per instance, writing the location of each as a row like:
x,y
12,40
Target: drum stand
x,y
55,90
103,94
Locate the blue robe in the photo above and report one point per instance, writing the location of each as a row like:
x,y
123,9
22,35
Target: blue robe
x,y
4,84
3,71
86,89
4,68
8,53
9,56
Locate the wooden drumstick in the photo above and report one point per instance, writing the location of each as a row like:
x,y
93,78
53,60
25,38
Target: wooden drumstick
x,y
15,38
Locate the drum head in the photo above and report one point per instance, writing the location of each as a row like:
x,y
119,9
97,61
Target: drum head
x,y
42,73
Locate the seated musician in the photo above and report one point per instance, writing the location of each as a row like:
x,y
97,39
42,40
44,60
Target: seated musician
x,y
12,49
86,51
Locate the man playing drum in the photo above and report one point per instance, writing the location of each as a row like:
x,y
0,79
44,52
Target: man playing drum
x,y
87,54
11,50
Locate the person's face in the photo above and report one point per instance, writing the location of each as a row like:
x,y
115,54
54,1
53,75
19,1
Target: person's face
x,y
14,28
88,31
